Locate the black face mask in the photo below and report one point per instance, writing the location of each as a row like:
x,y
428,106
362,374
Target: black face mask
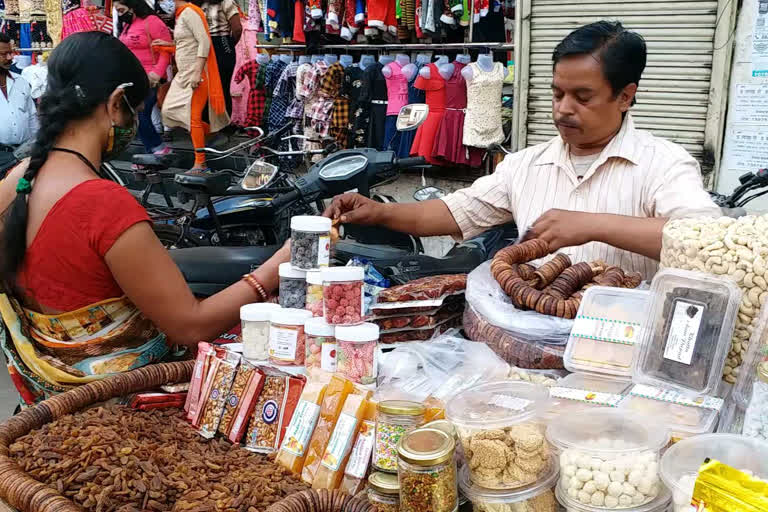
x,y
126,18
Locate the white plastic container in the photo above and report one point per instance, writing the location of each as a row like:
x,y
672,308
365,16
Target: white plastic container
x,y
690,323
293,286
501,429
254,323
314,301
343,302
539,497
680,464
580,391
287,341
608,458
310,242
321,345
661,503
606,331
356,350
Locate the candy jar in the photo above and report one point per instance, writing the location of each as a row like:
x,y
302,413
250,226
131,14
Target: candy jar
x,y
343,295
427,472
310,242
286,336
321,345
384,492
314,302
293,286
394,419
357,347
254,322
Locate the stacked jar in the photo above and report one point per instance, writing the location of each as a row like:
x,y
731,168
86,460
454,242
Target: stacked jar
x,y
254,322
426,470
384,492
343,295
287,341
314,301
321,345
357,346
394,419
293,286
310,242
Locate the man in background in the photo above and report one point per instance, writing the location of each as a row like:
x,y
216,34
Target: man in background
x,y
18,116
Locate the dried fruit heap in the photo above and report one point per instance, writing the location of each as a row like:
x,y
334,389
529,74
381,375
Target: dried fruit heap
x,y
115,458
556,287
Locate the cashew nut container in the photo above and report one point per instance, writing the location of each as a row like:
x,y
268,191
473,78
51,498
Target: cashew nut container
x,y
501,429
537,497
680,463
609,459
690,323
661,503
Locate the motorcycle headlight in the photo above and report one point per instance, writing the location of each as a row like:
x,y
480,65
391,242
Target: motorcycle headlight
x,y
343,167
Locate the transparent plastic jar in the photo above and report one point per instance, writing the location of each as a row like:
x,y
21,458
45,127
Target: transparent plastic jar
x,y
310,242
343,302
427,472
321,345
384,492
756,416
293,287
537,497
314,300
394,419
286,336
357,346
254,323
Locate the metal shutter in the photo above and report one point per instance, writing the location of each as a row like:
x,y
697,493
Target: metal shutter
x,y
684,87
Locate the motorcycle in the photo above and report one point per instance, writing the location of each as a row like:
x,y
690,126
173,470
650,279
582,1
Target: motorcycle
x,y
733,205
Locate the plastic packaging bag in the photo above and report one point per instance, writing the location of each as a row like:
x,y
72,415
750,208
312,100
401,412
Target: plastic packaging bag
x,y
303,422
426,288
360,456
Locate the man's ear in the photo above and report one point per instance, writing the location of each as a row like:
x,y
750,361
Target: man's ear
x,y
626,96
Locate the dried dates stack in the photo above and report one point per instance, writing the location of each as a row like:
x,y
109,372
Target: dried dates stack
x,y
556,287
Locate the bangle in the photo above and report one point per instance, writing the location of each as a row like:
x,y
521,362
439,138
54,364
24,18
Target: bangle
x,y
257,287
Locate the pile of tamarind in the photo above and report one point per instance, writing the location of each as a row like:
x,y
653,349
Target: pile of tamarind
x,y
556,287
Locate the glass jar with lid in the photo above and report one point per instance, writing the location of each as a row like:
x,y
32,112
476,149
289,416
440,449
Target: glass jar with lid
x,y
293,286
254,323
314,300
310,241
394,419
384,492
426,470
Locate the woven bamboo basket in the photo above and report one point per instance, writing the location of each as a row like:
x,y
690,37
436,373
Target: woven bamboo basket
x,y
321,500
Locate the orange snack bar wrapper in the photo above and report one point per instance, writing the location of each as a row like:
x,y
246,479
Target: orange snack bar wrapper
x,y
360,456
294,447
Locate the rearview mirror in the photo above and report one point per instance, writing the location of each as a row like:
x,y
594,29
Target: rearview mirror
x,y
258,176
427,193
411,116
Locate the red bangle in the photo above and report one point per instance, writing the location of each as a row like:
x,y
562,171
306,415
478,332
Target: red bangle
x,y
257,287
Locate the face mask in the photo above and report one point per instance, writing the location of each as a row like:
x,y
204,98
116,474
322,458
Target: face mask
x,y
121,137
126,18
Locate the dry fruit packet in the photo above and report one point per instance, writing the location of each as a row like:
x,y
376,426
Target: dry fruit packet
x,y
205,353
214,402
235,395
263,431
246,405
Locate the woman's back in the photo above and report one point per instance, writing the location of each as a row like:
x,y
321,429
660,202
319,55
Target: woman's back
x,y
138,36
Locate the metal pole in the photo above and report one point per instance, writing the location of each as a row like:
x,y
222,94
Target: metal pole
x,y
471,20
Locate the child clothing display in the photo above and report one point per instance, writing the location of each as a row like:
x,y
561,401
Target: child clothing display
x,y
375,92
434,86
449,137
256,96
397,98
482,123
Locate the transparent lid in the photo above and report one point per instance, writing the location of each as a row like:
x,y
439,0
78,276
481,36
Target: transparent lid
x,y
318,327
314,277
757,353
690,323
606,331
600,384
608,431
659,504
260,312
312,223
342,274
290,316
286,270
480,495
580,391
680,420
497,405
363,333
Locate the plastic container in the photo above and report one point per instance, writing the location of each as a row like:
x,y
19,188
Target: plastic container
x,y
731,418
286,336
427,471
310,242
314,299
293,287
546,378
680,464
756,354
384,492
606,331
608,458
661,503
447,427
537,497
394,419
254,323
356,352
501,428
581,391
756,415
321,345
690,323
343,295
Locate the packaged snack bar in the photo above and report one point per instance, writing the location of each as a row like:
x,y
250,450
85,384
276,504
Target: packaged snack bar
x,y
246,405
263,431
300,429
214,403
360,457
293,389
244,373
426,288
204,353
211,365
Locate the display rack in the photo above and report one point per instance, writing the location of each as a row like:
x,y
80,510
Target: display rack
x,y
391,46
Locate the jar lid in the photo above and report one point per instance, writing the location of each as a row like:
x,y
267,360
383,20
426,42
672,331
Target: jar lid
x,y
479,495
384,483
290,316
260,312
401,408
498,405
426,447
314,223
286,270
444,425
362,333
343,274
314,277
318,327
762,371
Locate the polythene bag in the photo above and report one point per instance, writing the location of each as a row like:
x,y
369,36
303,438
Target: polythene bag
x,y
488,299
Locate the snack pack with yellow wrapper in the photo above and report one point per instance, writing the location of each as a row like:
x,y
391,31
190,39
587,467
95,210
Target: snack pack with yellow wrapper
x,y
721,488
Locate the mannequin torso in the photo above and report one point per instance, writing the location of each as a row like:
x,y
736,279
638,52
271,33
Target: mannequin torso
x,y
402,60
330,59
443,65
346,60
386,59
316,58
262,58
366,60
463,58
286,58
484,62
304,59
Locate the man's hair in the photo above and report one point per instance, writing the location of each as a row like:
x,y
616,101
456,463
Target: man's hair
x,y
621,52
5,38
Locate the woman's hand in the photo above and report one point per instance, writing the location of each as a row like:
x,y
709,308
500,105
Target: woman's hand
x,y
154,79
162,42
196,79
267,273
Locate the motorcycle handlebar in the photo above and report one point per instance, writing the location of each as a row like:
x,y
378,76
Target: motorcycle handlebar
x,y
284,199
412,161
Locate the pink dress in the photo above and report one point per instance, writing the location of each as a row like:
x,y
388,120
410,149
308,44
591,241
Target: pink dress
x,y
448,139
397,89
241,91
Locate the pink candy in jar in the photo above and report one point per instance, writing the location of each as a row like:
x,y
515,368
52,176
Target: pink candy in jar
x,y
321,345
343,295
357,346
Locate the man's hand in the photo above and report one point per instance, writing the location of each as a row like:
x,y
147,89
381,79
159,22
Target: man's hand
x,y
564,228
355,209
154,79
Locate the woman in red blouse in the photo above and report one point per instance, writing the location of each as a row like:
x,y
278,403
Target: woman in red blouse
x,y
90,288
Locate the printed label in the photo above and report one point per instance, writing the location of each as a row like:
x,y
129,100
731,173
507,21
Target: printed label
x,y
341,440
683,331
418,386
668,395
269,412
455,385
586,396
282,343
232,400
512,403
301,427
605,329
323,251
357,465
328,357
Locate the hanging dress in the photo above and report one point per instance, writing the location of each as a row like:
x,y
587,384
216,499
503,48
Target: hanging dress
x,y
482,124
376,91
449,138
359,108
397,98
414,96
435,94
240,91
255,108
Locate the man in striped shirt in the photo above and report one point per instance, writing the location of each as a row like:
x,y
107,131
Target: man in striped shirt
x,y
602,189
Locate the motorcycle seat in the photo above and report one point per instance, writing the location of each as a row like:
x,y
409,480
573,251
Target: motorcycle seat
x,y
151,161
213,184
219,267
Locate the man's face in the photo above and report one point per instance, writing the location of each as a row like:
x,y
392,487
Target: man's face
x,y
6,56
585,110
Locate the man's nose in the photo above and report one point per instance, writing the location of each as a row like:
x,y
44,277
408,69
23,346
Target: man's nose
x,y
565,107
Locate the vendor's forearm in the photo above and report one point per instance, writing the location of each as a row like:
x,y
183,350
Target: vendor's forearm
x,y
640,235
427,218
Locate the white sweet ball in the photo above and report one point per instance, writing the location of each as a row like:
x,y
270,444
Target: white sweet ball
x,y
628,489
611,501
652,468
584,497
638,499
575,483
573,493
607,466
601,481
569,470
645,485
565,458
584,475
635,477
614,489
585,461
590,487
595,464
617,476
598,499
625,501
